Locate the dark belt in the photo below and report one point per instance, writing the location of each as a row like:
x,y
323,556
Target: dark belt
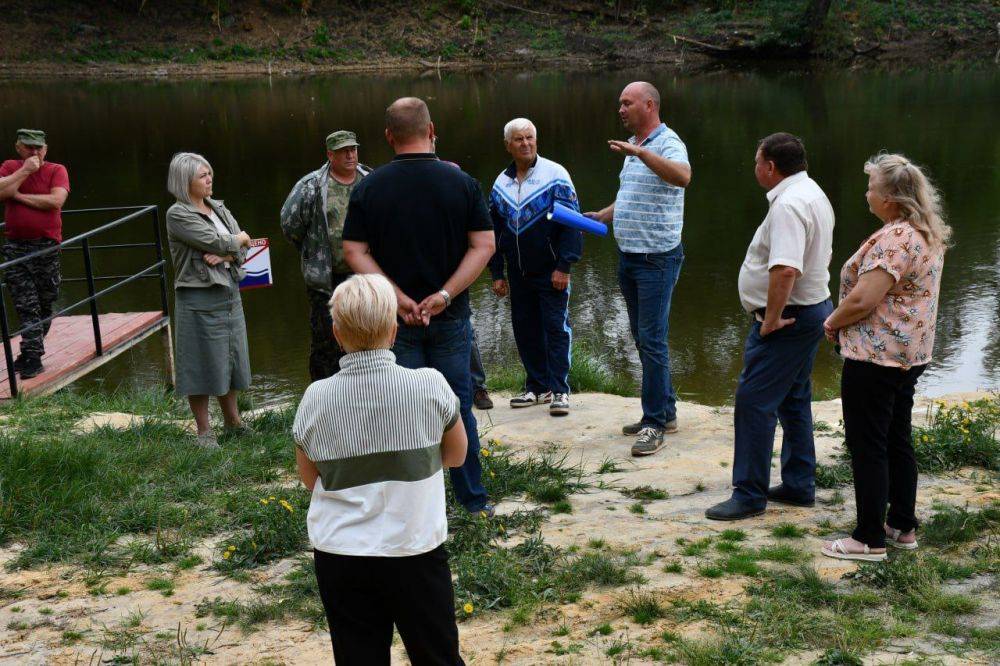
x,y
788,310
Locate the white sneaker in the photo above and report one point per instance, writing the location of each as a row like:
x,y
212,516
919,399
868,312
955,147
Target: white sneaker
x,y
529,399
560,405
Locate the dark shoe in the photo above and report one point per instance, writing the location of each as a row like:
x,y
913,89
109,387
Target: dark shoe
x,y
18,363
732,509
31,366
634,428
482,400
649,441
781,496
560,405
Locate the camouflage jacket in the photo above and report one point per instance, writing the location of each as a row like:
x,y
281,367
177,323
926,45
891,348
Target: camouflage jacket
x,y
304,224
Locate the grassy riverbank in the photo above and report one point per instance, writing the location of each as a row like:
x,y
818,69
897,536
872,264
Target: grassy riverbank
x,y
137,518
291,35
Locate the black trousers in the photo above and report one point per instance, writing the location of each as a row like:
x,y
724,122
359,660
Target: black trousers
x,y
324,352
365,596
878,403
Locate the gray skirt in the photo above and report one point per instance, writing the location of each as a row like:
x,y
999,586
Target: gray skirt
x,y
211,341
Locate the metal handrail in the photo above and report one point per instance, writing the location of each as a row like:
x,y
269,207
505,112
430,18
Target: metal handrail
x,y
157,269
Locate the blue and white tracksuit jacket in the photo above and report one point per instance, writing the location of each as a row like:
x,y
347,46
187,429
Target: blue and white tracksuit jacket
x,y
532,246
527,241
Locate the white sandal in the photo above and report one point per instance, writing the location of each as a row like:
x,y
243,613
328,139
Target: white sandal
x,y
892,537
839,550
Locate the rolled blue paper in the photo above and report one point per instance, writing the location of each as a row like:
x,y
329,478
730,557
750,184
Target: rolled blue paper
x,y
574,220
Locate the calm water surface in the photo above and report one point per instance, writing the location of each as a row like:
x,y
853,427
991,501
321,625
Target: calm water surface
x,y
262,135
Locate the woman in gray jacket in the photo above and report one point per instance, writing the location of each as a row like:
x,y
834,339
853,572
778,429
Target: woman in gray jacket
x,y
207,248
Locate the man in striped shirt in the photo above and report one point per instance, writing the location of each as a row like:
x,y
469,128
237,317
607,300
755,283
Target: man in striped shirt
x,y
648,215
372,442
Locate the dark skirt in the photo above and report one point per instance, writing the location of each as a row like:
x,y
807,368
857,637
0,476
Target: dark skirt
x,y
211,341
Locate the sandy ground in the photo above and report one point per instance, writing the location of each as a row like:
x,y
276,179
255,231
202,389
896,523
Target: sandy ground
x,y
694,469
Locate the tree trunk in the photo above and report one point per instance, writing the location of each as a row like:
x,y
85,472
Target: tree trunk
x,y
813,20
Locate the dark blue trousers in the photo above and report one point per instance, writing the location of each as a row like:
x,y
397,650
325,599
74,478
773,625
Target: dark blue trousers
x,y
775,385
539,314
445,345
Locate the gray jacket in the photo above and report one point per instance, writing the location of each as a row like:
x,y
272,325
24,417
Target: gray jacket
x,y
304,224
191,233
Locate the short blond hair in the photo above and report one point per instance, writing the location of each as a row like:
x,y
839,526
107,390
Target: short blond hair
x,y
363,309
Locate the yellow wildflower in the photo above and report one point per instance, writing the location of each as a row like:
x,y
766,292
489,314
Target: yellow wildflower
x,y
925,438
272,498
485,453
492,474
264,502
288,506
483,514
226,555
231,548
468,609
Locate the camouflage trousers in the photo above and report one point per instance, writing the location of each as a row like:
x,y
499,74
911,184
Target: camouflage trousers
x,y
34,288
324,351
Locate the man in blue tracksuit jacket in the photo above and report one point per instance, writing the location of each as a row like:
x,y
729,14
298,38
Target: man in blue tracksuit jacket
x,y
538,254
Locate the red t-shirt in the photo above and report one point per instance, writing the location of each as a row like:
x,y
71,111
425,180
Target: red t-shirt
x,y
25,222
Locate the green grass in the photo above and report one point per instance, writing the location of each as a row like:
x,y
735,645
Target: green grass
x,y
951,525
694,548
642,605
962,435
733,535
787,531
588,373
674,567
645,493
150,480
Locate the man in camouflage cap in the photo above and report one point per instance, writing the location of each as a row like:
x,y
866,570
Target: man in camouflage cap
x,y
33,191
312,219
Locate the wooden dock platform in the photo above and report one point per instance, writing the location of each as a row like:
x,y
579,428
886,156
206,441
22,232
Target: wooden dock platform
x,y
70,352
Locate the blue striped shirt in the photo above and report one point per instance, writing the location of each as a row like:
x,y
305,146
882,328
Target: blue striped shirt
x,y
649,212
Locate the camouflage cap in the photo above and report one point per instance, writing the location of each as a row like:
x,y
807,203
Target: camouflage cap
x,y
30,137
341,139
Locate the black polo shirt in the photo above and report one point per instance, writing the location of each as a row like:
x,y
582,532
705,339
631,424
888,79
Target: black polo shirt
x,y
415,214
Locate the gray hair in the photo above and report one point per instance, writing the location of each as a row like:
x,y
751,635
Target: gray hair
x,y
184,169
518,125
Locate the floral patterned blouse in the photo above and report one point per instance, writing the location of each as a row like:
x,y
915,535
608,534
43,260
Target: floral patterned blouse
x,y
899,332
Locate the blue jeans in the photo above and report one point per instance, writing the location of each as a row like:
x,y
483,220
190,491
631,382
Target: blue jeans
x,y
776,384
445,345
476,366
647,282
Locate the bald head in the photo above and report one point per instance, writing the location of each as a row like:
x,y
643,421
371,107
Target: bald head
x,y
644,91
408,119
639,107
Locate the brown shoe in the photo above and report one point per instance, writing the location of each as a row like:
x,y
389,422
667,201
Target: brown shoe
x,y
482,400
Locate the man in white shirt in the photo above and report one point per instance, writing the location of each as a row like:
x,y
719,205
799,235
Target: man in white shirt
x,y
784,285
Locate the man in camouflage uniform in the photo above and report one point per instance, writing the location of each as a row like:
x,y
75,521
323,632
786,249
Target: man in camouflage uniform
x,y
33,191
312,219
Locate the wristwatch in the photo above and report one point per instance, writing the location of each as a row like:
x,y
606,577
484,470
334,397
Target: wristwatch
x,y
446,296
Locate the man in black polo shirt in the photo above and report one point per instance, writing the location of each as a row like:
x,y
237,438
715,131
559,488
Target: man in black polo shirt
x,y
424,224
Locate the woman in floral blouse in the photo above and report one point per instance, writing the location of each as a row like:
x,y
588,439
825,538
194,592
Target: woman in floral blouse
x,y
884,326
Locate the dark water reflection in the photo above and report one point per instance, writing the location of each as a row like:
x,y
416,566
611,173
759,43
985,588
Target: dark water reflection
x,y
262,135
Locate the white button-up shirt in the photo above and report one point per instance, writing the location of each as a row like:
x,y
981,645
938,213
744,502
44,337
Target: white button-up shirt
x,y
797,232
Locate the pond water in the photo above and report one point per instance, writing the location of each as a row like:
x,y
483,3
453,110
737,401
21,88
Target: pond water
x,y
261,135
